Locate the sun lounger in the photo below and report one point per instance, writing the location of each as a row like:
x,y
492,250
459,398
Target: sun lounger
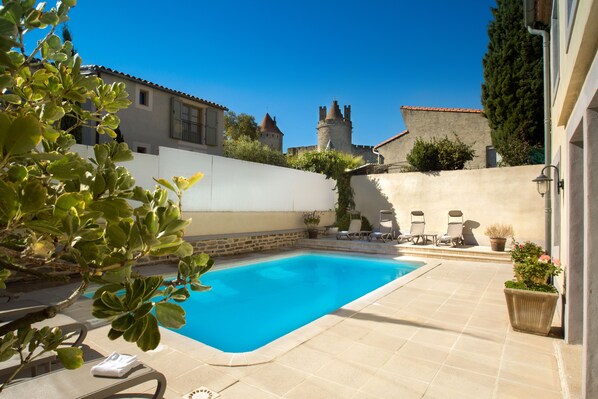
x,y
353,232
18,308
385,230
454,232
416,232
80,383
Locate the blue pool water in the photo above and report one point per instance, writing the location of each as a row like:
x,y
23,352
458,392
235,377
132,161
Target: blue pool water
x,y
252,305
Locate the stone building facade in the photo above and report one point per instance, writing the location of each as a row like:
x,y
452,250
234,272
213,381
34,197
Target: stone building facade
x,y
270,134
428,123
335,132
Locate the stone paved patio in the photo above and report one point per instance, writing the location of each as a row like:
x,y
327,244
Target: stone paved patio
x,y
443,335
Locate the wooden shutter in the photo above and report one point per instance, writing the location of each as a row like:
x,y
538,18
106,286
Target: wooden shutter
x,y
211,127
176,124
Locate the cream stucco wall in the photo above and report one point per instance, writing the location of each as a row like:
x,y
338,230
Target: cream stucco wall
x,y
150,127
213,223
485,196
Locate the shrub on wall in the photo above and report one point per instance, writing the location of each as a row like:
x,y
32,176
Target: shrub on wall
x,y
443,154
247,149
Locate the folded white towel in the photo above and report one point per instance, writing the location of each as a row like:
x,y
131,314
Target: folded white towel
x,y
115,365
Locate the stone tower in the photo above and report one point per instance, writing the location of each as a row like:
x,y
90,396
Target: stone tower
x,y
270,134
334,129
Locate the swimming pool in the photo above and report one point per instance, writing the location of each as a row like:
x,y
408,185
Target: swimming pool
x,y
252,305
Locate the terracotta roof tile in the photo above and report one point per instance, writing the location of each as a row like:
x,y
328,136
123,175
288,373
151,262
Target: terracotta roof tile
x,y
268,125
404,132
100,68
464,110
335,111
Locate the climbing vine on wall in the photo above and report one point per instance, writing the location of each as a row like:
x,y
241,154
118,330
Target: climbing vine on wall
x,y
334,165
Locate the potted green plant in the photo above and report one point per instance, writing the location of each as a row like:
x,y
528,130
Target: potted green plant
x,y
498,234
312,220
531,297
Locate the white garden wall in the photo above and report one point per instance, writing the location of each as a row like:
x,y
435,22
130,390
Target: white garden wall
x,y
236,196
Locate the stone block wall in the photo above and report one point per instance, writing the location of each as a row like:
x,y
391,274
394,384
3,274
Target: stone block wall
x,y
253,242
236,244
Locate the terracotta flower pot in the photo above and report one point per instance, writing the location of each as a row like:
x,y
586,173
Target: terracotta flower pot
x,y
531,311
312,233
498,244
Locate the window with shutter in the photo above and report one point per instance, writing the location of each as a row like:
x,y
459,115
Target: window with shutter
x,y
185,122
176,125
211,127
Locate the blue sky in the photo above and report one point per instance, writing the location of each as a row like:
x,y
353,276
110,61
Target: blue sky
x,y
288,58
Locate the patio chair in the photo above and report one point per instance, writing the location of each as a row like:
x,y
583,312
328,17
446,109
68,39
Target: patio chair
x,y
385,230
454,231
17,308
416,232
354,230
80,383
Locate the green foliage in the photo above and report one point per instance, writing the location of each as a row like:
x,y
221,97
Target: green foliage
x,y
443,154
518,285
521,252
311,219
532,268
59,211
238,126
251,150
512,93
334,165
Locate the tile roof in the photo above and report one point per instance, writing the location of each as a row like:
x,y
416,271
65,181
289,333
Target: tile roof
x,y
464,110
100,68
268,125
404,132
335,111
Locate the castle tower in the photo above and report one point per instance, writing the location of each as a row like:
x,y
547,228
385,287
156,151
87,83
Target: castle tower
x,y
334,130
270,134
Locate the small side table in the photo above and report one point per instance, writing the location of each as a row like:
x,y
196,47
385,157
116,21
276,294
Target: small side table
x,y
433,237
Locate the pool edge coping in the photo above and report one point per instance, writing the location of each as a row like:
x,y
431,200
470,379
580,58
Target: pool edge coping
x,y
295,338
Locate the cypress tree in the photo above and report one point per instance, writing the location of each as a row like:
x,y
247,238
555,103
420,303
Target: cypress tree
x,y
512,92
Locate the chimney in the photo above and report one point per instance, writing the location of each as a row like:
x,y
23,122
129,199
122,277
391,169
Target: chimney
x,y
348,113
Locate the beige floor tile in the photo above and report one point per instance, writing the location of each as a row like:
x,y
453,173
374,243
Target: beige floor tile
x,y
512,390
366,355
479,346
330,342
476,385
317,388
418,369
350,329
363,395
390,385
478,363
304,358
478,321
451,318
238,372
434,337
275,378
383,341
241,390
207,376
436,392
425,352
346,373
404,329
546,378
523,354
